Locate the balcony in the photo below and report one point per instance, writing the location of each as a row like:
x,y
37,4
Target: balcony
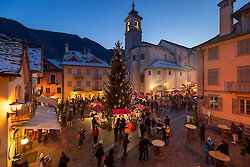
x,y
53,82
234,86
98,88
97,76
78,76
78,88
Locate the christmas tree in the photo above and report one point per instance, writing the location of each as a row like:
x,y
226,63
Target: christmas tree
x,y
118,91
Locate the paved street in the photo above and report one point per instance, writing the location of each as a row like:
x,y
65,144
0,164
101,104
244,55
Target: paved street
x,y
180,152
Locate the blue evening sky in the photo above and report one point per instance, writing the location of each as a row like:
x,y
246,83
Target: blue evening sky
x,y
186,22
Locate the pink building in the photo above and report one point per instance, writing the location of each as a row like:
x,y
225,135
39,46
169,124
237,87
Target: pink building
x,y
224,66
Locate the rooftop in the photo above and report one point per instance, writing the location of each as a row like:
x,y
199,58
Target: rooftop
x,y
167,65
10,55
35,59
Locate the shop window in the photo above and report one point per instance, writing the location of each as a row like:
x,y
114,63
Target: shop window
x,y
47,90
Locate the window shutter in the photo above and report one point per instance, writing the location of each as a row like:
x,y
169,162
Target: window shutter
x,y
235,106
206,102
220,103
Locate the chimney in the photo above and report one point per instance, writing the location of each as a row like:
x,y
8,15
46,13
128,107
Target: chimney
x,y
226,16
84,53
66,48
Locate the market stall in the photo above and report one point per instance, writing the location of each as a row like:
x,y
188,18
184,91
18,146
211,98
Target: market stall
x,y
126,114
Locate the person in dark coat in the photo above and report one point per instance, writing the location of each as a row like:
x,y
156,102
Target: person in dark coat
x,y
116,132
109,159
142,129
81,136
223,148
141,150
167,121
125,142
63,162
234,130
146,144
202,132
148,124
99,152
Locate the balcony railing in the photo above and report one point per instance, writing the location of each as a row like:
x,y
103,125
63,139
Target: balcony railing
x,y
97,76
53,82
78,76
235,86
97,88
78,88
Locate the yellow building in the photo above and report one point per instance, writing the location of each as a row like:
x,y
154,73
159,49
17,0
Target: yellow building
x,y
224,67
14,79
84,75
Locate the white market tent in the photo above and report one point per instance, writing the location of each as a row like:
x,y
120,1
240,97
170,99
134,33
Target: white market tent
x,y
47,100
45,118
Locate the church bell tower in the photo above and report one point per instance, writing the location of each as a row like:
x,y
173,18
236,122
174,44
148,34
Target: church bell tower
x,y
133,34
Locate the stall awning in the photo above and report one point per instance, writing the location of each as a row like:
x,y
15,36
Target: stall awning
x,y
139,106
121,111
97,108
95,103
47,100
45,118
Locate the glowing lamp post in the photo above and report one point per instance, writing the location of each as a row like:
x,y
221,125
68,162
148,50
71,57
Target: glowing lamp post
x,y
24,141
15,107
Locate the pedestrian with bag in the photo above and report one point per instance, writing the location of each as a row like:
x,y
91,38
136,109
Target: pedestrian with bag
x,y
99,152
81,137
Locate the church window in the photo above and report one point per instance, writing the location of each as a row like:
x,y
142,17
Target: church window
x,y
142,57
133,57
128,26
180,73
137,25
169,72
158,72
149,72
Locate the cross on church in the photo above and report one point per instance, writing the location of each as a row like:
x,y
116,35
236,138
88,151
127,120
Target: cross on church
x,y
133,6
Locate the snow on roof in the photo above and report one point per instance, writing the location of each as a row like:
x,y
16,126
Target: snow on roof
x,y
11,52
83,60
166,64
56,63
35,59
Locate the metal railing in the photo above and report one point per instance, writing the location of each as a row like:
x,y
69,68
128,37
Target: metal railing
x,y
235,86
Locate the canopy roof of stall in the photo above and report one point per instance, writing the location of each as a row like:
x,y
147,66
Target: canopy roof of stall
x,y
45,118
47,100
97,107
139,106
121,111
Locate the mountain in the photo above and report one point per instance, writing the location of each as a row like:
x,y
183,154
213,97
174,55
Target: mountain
x,y
53,42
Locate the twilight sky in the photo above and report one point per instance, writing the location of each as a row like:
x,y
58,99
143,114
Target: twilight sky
x,y
186,22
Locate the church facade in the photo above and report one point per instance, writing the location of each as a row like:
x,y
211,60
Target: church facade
x,y
156,68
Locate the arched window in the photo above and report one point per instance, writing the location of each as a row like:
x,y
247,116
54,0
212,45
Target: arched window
x,y
128,26
137,25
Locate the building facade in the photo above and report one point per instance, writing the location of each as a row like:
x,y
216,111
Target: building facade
x,y
14,79
225,62
156,68
84,75
51,83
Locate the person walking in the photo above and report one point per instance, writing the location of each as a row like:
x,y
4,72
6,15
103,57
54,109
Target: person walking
x,y
81,137
116,132
69,121
95,134
63,162
141,150
202,132
142,129
93,122
125,142
99,152
209,146
167,120
168,134
234,130
146,144
109,160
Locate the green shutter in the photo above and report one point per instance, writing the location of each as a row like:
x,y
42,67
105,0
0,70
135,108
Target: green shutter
x,y
235,106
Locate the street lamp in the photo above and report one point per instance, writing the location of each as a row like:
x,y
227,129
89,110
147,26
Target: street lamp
x,y
15,107
24,141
